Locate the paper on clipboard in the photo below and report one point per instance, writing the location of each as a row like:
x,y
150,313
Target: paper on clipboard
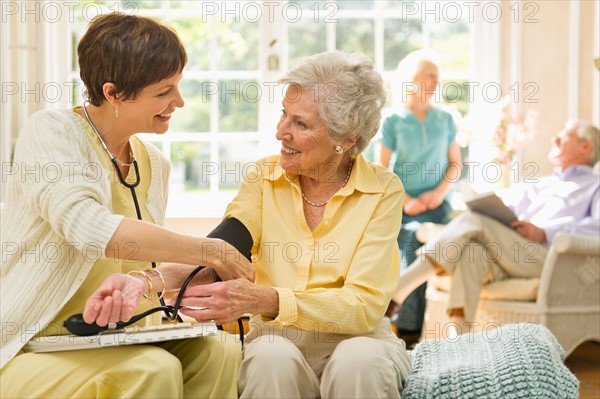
x,y
128,336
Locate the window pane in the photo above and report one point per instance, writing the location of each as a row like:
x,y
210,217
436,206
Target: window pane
x,y
313,39
456,92
313,5
236,161
238,44
408,5
77,92
238,105
195,115
453,42
185,4
400,38
190,166
195,35
355,5
356,35
77,31
133,5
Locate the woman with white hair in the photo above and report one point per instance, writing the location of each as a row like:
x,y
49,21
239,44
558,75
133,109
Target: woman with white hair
x,y
421,138
323,222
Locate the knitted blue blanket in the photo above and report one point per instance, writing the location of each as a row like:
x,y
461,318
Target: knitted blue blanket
x,y
514,361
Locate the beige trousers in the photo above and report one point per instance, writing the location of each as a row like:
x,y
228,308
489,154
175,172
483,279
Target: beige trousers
x,y
477,250
293,363
204,367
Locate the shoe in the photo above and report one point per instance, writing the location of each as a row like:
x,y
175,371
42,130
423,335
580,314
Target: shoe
x,y
410,338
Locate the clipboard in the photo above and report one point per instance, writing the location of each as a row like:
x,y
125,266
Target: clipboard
x,y
129,336
491,205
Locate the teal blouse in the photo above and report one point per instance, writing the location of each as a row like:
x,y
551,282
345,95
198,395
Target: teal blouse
x,y
420,148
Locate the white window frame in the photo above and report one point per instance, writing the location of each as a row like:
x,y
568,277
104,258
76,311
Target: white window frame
x,y
56,68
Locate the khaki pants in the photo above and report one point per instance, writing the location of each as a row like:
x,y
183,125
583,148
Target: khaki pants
x,y
292,363
204,367
477,250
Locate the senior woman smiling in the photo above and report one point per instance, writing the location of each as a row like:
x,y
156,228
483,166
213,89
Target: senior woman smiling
x,y
323,222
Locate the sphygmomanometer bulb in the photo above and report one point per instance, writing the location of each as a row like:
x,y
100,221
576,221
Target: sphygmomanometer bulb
x,y
77,326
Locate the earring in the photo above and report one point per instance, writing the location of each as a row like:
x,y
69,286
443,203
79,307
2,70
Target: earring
x,y
338,149
116,112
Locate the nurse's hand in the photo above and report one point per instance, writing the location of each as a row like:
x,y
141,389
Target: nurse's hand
x,y
115,300
230,264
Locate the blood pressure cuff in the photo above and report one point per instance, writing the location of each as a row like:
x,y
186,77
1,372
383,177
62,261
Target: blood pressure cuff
x,y
235,233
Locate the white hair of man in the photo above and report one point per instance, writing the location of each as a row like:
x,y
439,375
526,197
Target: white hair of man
x,y
587,131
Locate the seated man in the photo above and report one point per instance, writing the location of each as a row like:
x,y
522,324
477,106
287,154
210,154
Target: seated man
x,y
476,250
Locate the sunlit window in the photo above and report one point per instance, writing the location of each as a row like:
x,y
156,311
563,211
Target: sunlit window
x,y
224,126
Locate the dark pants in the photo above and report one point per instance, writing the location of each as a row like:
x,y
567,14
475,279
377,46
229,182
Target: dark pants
x,y
410,316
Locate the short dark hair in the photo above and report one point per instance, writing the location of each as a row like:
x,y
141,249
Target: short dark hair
x,y
130,51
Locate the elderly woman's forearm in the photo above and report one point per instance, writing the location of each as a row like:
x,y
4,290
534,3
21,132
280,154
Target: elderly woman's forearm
x,y
266,302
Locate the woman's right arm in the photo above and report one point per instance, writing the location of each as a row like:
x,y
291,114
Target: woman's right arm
x,y
138,240
75,202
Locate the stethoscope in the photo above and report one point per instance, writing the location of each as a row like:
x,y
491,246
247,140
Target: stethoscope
x,y
75,324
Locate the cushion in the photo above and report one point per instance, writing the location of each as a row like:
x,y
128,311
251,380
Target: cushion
x,y
512,289
514,361
515,289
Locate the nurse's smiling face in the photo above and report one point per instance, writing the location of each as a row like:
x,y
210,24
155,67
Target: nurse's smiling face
x,y
150,111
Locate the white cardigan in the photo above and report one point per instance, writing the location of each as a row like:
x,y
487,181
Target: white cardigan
x,y
56,222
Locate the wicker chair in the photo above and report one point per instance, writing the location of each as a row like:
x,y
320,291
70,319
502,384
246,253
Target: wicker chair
x,y
567,301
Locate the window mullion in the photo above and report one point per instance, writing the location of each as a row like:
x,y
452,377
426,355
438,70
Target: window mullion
x,y
214,104
379,37
273,45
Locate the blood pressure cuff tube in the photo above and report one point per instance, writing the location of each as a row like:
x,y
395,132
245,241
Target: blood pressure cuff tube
x,y
235,233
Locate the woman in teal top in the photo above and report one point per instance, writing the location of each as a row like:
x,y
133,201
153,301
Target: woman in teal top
x,y
421,137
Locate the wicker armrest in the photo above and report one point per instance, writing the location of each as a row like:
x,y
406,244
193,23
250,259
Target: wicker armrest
x,y
571,274
576,244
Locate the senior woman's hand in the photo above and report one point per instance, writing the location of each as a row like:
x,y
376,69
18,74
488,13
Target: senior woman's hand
x,y
414,207
115,300
432,199
226,301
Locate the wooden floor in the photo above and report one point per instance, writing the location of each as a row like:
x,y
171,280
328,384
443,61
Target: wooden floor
x,y
584,362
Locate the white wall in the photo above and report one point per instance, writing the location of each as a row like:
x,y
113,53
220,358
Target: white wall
x,y
558,46
33,69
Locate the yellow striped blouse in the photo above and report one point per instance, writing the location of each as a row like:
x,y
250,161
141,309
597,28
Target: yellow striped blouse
x,y
339,277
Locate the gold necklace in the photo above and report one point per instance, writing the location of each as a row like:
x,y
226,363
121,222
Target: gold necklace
x,y
325,203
